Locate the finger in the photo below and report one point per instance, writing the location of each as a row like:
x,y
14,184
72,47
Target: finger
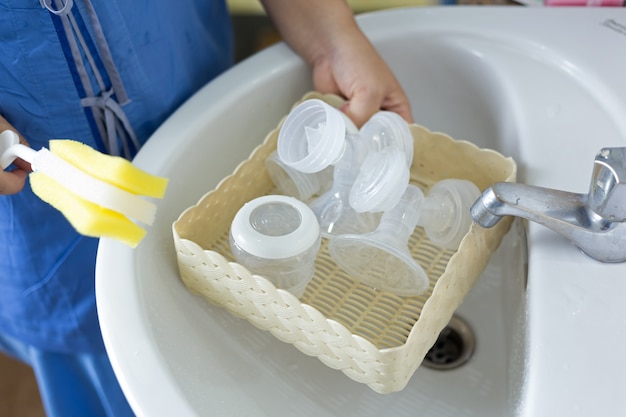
x,y
324,82
23,165
402,107
361,107
12,182
5,125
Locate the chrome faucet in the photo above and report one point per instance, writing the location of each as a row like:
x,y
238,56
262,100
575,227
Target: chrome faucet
x,y
595,222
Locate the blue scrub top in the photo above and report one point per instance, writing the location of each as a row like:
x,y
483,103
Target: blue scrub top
x,y
164,52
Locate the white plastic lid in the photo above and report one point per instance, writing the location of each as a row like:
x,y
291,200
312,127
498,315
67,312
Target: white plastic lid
x,y
386,129
312,136
382,180
275,227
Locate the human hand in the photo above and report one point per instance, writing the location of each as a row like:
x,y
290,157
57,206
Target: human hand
x,y
325,34
12,182
354,69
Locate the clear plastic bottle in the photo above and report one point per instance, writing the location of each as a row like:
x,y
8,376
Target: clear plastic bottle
x,y
277,237
291,182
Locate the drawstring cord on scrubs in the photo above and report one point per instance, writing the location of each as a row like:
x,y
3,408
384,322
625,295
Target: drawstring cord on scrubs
x,y
110,118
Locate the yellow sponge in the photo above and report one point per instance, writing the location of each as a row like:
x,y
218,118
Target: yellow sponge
x,y
98,194
112,169
87,218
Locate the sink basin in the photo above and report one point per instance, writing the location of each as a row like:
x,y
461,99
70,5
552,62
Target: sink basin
x,y
544,86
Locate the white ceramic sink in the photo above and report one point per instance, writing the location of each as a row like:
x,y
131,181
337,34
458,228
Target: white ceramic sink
x,y
545,86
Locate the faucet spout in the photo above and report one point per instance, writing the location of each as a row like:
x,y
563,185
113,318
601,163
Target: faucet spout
x,y
595,222
565,213
540,205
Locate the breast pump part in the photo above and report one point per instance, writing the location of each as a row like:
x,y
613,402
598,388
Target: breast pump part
x,y
382,179
381,259
291,182
385,129
445,212
275,227
277,237
385,173
332,208
312,136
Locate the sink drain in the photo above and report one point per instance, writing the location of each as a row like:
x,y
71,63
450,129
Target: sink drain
x,y
453,348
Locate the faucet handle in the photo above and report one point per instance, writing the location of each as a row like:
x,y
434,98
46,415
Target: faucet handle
x,y
607,191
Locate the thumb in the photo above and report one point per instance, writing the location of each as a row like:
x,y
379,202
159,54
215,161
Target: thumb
x,y
12,182
361,107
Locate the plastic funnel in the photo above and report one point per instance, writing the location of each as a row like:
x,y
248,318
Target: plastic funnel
x,y
381,259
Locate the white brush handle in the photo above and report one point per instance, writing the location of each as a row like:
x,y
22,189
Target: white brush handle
x,y
11,149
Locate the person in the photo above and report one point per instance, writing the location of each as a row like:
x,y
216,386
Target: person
x,y
109,73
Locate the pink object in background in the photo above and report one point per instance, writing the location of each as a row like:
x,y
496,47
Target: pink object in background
x,y
588,3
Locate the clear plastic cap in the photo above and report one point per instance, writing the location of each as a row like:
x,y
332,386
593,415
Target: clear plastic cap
x,y
382,180
312,136
275,227
387,129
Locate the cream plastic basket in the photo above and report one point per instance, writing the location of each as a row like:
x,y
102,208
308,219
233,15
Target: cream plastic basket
x,y
374,337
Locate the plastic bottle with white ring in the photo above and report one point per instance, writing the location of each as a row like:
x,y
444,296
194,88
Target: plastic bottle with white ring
x,y
277,237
